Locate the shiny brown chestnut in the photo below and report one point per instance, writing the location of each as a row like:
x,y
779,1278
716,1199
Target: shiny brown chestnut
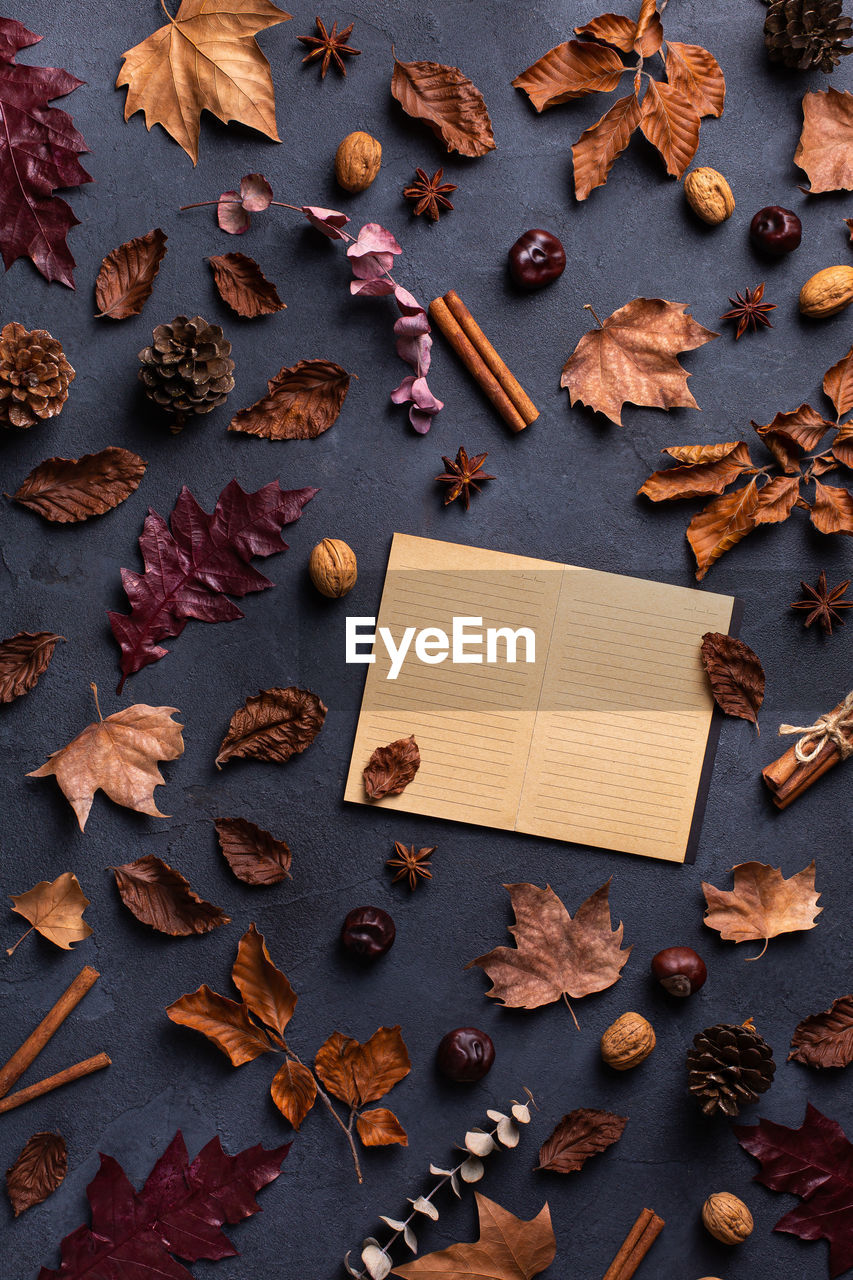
x,y
536,259
775,230
368,932
679,970
465,1055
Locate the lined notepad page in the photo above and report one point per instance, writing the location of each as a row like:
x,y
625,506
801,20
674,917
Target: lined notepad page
x,y
600,742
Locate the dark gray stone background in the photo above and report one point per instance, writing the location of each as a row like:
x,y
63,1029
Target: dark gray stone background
x,y
565,490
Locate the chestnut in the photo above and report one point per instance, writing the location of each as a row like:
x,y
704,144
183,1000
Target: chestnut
x,y
679,970
775,230
465,1055
536,259
368,932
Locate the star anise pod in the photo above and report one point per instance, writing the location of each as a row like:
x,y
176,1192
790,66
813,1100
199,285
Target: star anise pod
x,y
331,46
749,310
824,603
463,476
411,862
430,193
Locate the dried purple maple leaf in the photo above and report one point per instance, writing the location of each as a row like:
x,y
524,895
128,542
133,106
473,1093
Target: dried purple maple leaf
x,y
390,769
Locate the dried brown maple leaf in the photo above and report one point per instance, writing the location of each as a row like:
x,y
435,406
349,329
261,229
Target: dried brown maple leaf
x,y
579,1135
302,402
243,286
762,904
448,102
38,1171
127,276
55,910
274,725
632,358
255,856
508,1249
735,674
68,490
825,148
825,1039
160,897
23,658
555,955
390,769
118,755
204,59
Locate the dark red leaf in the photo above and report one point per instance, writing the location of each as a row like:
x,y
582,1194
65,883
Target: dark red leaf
x,y
127,276
735,674
579,1135
825,1039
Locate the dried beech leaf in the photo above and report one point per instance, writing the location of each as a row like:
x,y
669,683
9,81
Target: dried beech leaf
x,y
825,1039
842,445
762,904
612,28
735,674
448,102
160,897
832,510
68,490
55,910
255,856
302,402
360,1073
274,725
696,74
825,149
508,1249
223,1021
648,36
38,1171
570,70
294,1091
671,123
777,499
23,658
265,990
838,383
706,469
579,1135
243,286
721,525
596,149
390,769
127,276
380,1128
792,434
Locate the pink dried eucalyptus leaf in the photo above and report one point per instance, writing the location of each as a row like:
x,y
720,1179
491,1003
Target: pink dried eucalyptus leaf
x,y
372,287
373,239
255,193
329,221
414,345
424,404
231,215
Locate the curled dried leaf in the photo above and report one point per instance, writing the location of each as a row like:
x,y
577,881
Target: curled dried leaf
x,y
421,1205
360,1073
479,1143
390,769
225,1022
472,1169
376,1260
243,286
127,276
735,673
302,402
508,1133
825,1039
448,102
380,1128
23,658
160,897
579,1135
265,990
294,1091
37,1172
274,725
68,490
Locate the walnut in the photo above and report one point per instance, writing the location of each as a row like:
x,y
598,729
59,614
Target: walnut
x,y
357,161
827,292
333,568
709,195
628,1042
726,1218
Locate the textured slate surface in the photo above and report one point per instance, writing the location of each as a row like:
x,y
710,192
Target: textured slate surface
x,y
565,491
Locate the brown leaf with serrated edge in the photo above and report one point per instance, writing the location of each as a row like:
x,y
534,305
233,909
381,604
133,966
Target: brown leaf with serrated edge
x,y
570,70
825,1039
274,725
842,445
508,1249
23,658
671,123
359,1073
838,383
255,856
448,102
294,1091
697,74
791,434
612,28
648,36
825,148
160,897
38,1171
119,756
555,955
265,990
596,149
381,1128
223,1021
705,469
632,358
721,525
762,904
390,769
127,276
735,674
55,910
579,1135
243,286
777,499
832,509
68,490
302,402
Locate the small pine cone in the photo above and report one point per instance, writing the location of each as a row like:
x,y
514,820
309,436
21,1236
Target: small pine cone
x,y
34,376
729,1066
188,368
807,34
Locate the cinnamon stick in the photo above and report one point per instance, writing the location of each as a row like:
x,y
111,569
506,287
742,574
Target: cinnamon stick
x,y
787,778
635,1246
76,1072
36,1041
507,379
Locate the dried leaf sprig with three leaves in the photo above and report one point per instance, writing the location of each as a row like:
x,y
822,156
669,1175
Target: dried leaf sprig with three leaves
x,y
23,658
825,1039
356,1074
735,674
762,904
508,1248
39,1169
55,910
669,112
68,490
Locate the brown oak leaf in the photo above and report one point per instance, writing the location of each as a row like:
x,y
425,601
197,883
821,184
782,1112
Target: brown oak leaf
x,y
448,102
302,402
390,769
127,276
825,1039
38,1171
670,122
294,1091
570,70
825,149
265,990
160,897
762,904
632,358
360,1073
55,910
23,658
579,1135
596,149
243,286
68,490
223,1021
509,1248
735,674
274,725
255,856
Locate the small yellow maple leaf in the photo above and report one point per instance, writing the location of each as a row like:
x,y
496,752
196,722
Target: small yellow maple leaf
x,y
55,910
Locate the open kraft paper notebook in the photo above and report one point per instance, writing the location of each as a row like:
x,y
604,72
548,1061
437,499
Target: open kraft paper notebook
x,y
607,739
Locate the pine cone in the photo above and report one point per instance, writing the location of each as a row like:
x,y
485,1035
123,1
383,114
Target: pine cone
x,y
807,33
34,376
729,1066
187,369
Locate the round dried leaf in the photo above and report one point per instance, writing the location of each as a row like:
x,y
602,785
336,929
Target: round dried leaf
x,y
508,1132
424,1206
376,1261
472,1170
479,1143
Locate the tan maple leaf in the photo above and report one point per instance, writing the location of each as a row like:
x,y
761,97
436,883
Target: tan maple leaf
x,y
632,358
509,1248
55,910
825,149
118,755
204,59
762,904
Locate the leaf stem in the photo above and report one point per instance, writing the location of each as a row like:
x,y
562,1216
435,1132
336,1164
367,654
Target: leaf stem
x,y
94,689
347,1129
588,307
11,950
566,998
166,11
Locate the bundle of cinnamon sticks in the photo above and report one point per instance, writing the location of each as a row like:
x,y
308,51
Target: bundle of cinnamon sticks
x,y
636,1245
813,755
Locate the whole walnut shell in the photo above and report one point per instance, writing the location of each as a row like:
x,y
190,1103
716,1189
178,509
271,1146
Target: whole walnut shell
x,y
827,292
727,1218
333,568
709,195
357,161
628,1042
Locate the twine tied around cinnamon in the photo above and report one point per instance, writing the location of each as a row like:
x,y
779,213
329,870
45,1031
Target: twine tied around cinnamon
x,y
832,728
